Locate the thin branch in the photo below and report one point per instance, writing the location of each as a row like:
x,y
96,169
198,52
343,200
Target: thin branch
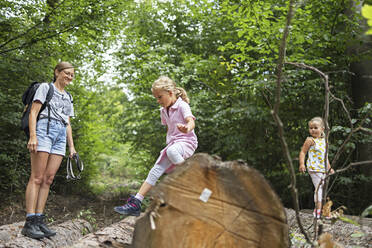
x,y
326,114
344,107
351,165
33,27
35,41
346,141
275,111
304,66
335,179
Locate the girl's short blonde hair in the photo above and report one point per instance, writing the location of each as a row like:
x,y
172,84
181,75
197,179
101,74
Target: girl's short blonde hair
x,y
320,121
167,84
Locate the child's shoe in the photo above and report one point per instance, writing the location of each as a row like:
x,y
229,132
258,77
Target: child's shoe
x,y
318,214
132,207
314,213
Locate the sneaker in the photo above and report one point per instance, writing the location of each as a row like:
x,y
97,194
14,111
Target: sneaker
x,y
31,228
43,227
318,214
132,207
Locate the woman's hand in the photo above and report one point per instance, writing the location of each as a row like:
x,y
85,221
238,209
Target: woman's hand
x,y
72,152
32,144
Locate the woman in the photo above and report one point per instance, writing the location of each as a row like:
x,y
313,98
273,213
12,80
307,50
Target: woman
x,y
47,146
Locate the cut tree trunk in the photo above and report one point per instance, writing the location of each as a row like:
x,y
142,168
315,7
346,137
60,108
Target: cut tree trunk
x,y
67,234
241,211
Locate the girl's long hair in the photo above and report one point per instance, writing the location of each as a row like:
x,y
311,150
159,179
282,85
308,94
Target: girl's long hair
x,y
167,84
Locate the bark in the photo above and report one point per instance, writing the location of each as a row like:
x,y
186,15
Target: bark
x,y
67,233
242,210
361,81
116,235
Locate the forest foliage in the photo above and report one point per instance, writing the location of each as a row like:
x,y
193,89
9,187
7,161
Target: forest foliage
x,y
224,53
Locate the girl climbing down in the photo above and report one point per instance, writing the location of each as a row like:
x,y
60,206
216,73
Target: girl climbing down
x,y
315,147
181,140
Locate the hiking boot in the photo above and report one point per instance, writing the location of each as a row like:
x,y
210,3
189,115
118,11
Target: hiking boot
x,y
31,228
43,227
132,207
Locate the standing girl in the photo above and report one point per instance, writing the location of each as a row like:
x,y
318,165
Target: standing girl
x,y
315,146
47,146
181,139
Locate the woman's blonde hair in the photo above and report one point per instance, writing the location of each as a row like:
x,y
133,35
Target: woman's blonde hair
x,y
320,121
167,84
60,67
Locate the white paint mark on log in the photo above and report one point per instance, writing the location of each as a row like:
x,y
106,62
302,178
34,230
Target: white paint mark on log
x,y
205,195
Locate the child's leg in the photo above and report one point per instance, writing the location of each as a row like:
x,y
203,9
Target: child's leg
x,y
155,173
175,153
317,179
174,156
133,205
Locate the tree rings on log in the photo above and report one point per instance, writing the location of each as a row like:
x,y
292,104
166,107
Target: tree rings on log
x,y
209,203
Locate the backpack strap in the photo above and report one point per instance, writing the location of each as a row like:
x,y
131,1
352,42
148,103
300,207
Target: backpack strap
x,y
47,100
68,93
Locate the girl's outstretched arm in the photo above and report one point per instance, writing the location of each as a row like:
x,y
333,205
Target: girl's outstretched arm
x,y
305,147
189,126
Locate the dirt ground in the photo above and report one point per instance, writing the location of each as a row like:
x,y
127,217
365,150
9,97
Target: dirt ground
x,y
60,208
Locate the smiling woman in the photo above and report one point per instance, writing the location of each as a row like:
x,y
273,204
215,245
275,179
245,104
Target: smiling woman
x,y
49,130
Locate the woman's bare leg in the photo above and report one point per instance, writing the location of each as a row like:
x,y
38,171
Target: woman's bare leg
x,y
52,167
38,165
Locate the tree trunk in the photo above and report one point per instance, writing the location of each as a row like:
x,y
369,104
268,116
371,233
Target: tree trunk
x,y
67,233
362,93
361,82
116,235
242,210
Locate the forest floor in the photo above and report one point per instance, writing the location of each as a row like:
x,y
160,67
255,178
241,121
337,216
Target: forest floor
x,y
61,208
100,213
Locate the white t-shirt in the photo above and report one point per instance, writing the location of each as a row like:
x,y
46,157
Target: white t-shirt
x,y
61,103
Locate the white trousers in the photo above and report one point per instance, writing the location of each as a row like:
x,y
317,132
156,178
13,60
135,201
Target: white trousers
x,y
318,181
175,155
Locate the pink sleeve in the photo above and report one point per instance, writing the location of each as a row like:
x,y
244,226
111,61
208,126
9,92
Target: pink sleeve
x,y
186,111
162,117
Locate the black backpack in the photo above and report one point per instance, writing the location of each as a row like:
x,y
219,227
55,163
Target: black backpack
x,y
27,99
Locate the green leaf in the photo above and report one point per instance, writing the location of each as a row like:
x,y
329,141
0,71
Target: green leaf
x,y
357,235
367,13
367,211
348,220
